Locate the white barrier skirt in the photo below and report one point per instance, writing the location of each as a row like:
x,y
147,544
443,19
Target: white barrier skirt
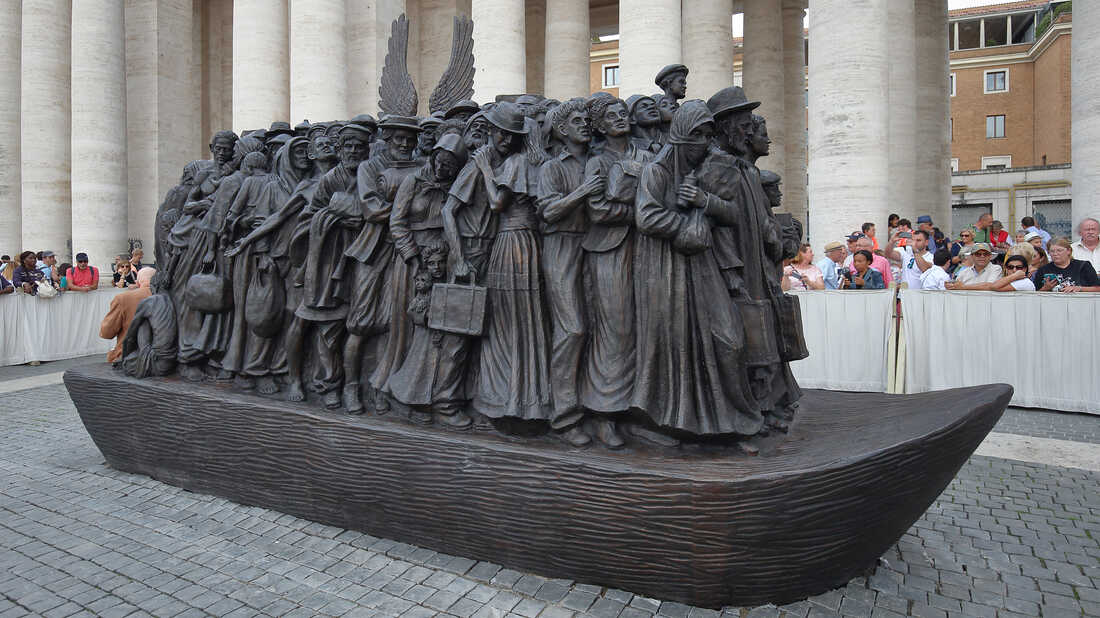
x,y
847,334
1046,346
47,329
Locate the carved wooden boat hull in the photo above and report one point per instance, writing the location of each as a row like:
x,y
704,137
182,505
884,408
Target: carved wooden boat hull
x,y
700,526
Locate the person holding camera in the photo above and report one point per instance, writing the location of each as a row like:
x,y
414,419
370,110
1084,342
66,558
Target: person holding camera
x,y
801,273
911,249
862,276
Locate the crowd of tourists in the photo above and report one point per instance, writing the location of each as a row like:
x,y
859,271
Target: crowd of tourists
x,y
37,273
983,257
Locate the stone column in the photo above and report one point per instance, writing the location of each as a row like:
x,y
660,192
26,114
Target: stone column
x,y
903,110
500,40
368,33
11,238
568,39
536,47
849,117
707,36
436,34
318,60
794,96
1085,106
932,180
261,63
649,38
44,106
217,69
99,141
764,79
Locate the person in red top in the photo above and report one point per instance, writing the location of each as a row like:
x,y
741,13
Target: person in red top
x,y
998,237
82,278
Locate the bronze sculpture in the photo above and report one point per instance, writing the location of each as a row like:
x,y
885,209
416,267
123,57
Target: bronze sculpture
x,y
508,284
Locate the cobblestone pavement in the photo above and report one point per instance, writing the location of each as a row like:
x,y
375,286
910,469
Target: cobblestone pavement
x,y
1050,424
1006,539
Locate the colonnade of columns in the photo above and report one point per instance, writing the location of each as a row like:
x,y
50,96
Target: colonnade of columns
x,y
105,101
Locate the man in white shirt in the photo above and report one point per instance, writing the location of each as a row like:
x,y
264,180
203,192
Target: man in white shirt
x,y
981,272
1088,248
914,254
935,277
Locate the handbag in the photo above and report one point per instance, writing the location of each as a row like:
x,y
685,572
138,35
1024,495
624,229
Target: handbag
x,y
457,308
208,293
45,288
265,302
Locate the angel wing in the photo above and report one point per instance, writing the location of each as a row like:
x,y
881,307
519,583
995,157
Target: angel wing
x,y
396,91
457,82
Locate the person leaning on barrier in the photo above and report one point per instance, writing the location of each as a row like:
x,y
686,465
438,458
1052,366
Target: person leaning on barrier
x,y
831,266
981,271
6,286
1065,274
1015,278
1088,247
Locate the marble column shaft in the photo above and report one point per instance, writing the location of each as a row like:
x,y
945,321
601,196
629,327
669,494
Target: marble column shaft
x,y
707,36
536,47
318,60
794,97
932,182
261,63
649,38
368,30
1085,107
99,209
500,48
764,74
849,117
44,97
10,208
568,40
903,110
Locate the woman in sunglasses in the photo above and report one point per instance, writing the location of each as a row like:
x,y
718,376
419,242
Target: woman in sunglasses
x,y
966,238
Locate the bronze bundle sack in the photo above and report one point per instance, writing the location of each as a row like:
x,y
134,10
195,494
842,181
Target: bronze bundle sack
x,y
263,307
457,308
208,293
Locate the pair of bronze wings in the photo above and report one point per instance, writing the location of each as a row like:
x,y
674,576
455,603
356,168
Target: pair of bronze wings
x,y
396,91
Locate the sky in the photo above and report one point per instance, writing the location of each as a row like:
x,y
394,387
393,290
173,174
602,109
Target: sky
x,y
739,22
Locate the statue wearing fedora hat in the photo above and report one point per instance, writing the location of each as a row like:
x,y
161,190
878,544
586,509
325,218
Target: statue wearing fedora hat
x,y
750,253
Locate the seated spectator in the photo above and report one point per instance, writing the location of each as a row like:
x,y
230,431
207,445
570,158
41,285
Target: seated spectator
x,y
1035,239
6,286
118,318
935,277
998,237
7,266
1088,247
82,278
1025,250
831,266
980,272
1028,223
1065,274
802,272
879,263
1040,260
863,276
135,259
124,277
1021,236
26,275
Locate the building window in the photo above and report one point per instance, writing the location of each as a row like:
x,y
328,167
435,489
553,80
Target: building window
x,y
610,76
996,163
954,164
995,30
952,83
951,128
996,81
994,126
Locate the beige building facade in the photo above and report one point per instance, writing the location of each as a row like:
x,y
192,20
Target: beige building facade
x,y
115,97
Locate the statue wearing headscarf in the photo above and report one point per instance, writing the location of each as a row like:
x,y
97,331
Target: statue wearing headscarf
x,y
689,342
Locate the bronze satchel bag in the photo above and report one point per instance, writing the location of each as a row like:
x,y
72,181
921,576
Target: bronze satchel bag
x,y
457,308
208,293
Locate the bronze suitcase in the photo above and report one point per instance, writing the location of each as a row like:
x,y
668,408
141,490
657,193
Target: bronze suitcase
x,y
458,308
